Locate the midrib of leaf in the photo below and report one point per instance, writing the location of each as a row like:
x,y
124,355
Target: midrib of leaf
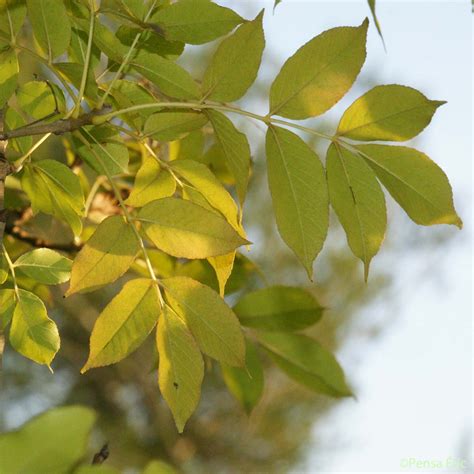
x,y
10,23
53,198
307,83
389,116
360,227
50,51
35,265
287,174
105,151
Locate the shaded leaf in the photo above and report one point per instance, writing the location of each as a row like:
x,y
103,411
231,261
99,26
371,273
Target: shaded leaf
x,y
124,323
392,112
299,194
7,305
32,333
376,20
159,467
278,308
14,120
359,202
40,99
106,256
213,324
320,73
181,367
418,184
234,66
72,72
306,361
12,17
171,125
45,266
184,229
8,75
246,384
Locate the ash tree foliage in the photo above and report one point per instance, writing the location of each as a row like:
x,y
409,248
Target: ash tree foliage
x,y
162,145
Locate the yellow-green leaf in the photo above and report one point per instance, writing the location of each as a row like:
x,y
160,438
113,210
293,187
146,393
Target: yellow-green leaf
x,y
168,125
181,368
246,384
391,112
32,333
184,229
299,194
235,148
376,20
8,75
278,308
195,21
234,66
168,76
40,99
106,256
45,266
359,202
159,467
12,16
54,189
223,266
151,182
51,25
418,184
320,73
7,305
306,361
213,324
124,323
3,268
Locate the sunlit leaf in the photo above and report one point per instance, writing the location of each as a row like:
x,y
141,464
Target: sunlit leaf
x,y
8,75
7,304
418,184
151,182
54,189
13,120
246,384
223,266
235,64
278,308
32,333
51,25
184,229
213,324
299,194
306,361
106,256
40,99
181,368
52,442
45,266
319,74
392,112
235,149
124,323
359,202
196,21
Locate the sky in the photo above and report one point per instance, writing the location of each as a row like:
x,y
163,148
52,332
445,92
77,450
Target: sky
x,y
413,382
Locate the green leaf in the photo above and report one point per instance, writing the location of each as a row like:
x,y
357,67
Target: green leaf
x,y
359,202
191,147
72,72
418,184
299,194
37,99
276,3
15,120
51,25
184,229
168,125
3,267
32,333
151,182
45,266
106,256
181,368
235,148
77,51
12,17
306,361
391,112
376,20
213,324
202,179
223,266
246,384
234,66
168,76
278,308
8,75
7,304
159,467
106,152
52,442
124,323
54,189
195,21
320,73
96,469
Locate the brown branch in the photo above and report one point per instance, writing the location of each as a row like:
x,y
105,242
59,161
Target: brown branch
x,y
58,128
